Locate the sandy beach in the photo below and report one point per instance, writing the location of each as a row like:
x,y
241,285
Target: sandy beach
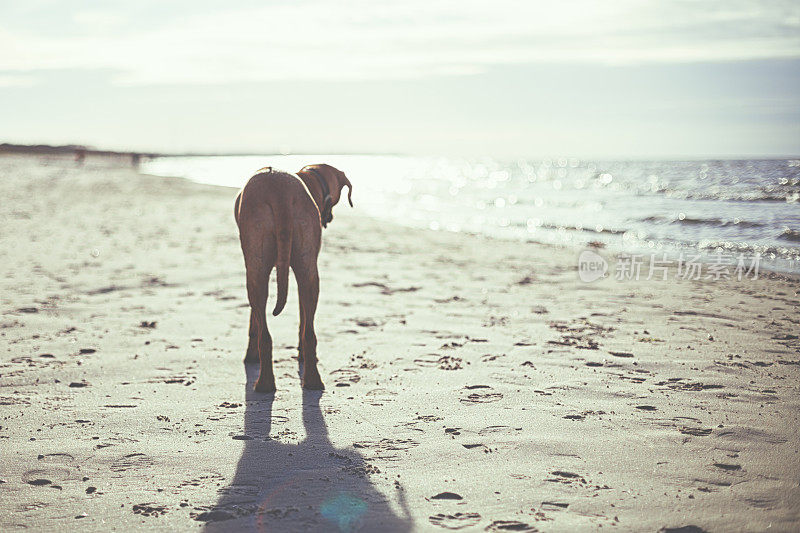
x,y
472,383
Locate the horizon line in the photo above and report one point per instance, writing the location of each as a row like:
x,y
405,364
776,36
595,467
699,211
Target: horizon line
x,y
42,149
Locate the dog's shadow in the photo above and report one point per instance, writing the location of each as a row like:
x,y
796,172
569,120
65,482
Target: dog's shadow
x,y
308,486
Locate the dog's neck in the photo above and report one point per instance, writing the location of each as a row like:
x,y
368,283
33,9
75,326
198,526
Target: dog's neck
x,y
313,186
312,182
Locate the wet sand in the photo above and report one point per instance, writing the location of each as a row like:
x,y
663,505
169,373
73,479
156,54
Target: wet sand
x,y
471,383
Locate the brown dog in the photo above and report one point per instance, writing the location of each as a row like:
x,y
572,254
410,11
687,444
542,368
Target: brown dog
x,y
280,218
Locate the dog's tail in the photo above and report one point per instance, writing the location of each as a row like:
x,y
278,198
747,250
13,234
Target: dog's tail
x,y
283,236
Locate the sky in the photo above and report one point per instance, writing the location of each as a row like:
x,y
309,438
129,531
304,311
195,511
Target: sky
x,y
503,78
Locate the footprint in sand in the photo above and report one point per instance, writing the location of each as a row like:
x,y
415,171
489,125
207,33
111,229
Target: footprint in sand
x,y
567,478
451,345
443,362
344,377
675,384
482,397
584,414
56,468
10,400
56,458
174,380
695,432
429,418
368,322
509,525
240,492
149,509
385,289
33,506
361,362
222,513
447,496
728,467
455,521
554,506
486,395
388,449
47,477
489,430
380,396
620,354
131,461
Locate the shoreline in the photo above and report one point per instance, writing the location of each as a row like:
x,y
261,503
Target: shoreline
x,y
446,356
619,234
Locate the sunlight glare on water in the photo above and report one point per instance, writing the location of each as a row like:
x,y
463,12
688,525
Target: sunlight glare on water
x,y
748,206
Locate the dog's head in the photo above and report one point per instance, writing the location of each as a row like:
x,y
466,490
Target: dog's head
x,y
332,181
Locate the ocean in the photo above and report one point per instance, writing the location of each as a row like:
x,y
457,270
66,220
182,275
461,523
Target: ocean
x,y
707,208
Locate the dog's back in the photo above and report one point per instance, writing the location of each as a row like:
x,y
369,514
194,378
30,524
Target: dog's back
x,y
276,217
260,191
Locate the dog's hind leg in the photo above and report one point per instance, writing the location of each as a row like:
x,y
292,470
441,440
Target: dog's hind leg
x,y
302,324
257,284
300,333
252,344
308,289
251,356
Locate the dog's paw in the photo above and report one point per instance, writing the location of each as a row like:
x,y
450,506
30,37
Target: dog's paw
x,y
313,383
265,386
251,356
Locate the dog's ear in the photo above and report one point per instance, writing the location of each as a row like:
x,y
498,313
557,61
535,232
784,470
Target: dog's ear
x,y
343,181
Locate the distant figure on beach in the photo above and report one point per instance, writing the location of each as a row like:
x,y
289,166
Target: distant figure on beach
x,y
135,159
80,156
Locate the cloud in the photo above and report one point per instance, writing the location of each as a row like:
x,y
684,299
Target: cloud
x,y
358,39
